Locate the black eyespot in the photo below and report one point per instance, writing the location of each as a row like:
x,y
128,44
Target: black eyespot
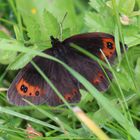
x,y
109,45
23,88
37,93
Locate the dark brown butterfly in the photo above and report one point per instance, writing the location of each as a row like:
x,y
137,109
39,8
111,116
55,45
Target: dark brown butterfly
x,y
29,85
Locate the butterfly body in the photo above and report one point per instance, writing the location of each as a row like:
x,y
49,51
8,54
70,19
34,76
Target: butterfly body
x,y
29,85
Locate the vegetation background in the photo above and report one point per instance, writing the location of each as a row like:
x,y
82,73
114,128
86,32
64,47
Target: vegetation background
x,y
27,26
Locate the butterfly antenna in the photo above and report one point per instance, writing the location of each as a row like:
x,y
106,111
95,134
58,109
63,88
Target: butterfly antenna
x,y
61,25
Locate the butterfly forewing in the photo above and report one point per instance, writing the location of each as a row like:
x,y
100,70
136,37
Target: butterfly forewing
x,y
95,43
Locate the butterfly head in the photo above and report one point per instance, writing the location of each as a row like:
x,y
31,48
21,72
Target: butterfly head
x,y
55,42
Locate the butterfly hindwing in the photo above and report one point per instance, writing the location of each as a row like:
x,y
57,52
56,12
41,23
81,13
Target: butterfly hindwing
x,y
30,85
65,83
91,70
27,85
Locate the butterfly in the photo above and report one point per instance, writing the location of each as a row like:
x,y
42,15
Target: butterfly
x,y
30,85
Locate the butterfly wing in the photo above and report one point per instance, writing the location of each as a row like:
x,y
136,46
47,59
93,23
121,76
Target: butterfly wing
x,y
90,69
66,84
29,84
94,43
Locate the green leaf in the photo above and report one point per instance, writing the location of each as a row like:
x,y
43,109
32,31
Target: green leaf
x,y
32,15
51,24
6,56
126,6
97,4
20,61
66,33
4,35
59,8
124,76
98,22
17,33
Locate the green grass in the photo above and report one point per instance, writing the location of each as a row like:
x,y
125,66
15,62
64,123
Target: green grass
x,y
117,111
